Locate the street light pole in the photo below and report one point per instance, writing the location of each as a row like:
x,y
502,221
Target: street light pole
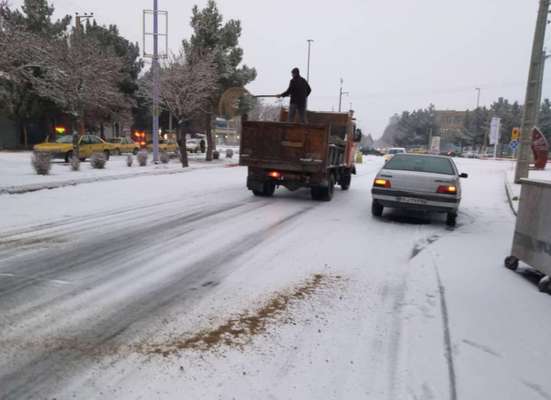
x,y
533,93
308,65
341,93
156,82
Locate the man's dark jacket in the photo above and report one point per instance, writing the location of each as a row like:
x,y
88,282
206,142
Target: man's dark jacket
x,y
299,90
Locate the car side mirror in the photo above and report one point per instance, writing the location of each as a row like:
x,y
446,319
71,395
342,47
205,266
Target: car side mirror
x,y
464,175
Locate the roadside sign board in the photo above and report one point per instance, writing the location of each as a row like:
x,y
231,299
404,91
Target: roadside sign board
x,y
515,135
495,127
514,144
435,145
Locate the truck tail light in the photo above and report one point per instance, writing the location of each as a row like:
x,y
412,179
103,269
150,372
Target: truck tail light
x,y
274,174
447,189
382,183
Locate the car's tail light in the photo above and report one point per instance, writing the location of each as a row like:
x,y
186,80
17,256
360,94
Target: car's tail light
x,y
382,183
447,189
274,174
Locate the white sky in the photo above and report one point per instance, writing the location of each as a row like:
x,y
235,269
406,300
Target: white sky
x,y
393,56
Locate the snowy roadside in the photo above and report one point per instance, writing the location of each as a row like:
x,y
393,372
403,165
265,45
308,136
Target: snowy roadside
x,y
513,189
18,176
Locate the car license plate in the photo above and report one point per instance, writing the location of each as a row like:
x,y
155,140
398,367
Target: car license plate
x,y
411,200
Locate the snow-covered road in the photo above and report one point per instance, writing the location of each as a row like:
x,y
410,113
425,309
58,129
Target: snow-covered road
x,y
187,287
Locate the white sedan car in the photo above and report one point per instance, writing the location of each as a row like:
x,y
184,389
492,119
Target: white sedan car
x,y
418,182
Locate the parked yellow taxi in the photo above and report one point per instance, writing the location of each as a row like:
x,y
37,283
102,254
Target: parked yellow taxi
x,y
63,147
124,145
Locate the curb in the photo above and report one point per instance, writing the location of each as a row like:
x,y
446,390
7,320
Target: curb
x,y
22,189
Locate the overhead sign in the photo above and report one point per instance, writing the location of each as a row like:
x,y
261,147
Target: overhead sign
x,y
516,134
495,128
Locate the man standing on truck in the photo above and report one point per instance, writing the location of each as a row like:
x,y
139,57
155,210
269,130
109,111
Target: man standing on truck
x,y
299,90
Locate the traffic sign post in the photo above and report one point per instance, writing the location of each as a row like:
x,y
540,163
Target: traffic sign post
x,y
514,146
515,135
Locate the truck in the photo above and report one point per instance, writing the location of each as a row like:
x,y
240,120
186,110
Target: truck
x,y
317,155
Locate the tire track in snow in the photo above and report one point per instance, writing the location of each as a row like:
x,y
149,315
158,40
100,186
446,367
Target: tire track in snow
x,y
37,376
447,335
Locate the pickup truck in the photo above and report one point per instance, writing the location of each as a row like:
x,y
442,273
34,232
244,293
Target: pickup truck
x,y
317,155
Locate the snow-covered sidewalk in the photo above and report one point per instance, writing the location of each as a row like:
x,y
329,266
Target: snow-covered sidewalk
x,y
17,175
513,189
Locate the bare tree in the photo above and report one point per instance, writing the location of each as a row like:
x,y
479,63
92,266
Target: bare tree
x,y
187,84
23,54
77,74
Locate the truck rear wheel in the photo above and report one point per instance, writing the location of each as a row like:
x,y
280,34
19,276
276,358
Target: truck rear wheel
x,y
345,182
268,190
324,193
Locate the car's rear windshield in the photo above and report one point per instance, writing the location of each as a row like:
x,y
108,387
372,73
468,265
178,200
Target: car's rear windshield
x,y
435,165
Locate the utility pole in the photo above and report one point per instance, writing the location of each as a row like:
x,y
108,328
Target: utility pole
x,y
308,65
341,93
533,93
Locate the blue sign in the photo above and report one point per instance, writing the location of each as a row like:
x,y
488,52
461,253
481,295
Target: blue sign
x,y
514,144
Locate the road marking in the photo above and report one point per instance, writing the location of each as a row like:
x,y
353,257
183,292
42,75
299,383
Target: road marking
x,y
55,281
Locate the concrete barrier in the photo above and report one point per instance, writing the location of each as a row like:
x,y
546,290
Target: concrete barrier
x,y
532,236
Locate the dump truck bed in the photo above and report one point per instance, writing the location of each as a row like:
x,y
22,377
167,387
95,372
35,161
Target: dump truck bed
x,y
285,146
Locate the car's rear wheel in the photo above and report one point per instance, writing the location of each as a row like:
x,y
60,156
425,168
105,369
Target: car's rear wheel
x,y
376,209
68,156
451,220
107,154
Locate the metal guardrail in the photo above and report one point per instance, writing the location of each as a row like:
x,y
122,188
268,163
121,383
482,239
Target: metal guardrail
x,y
532,236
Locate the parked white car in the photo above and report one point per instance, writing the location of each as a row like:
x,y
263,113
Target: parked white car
x,y
418,182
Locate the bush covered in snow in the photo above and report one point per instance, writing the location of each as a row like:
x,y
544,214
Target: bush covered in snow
x,y
229,153
75,163
98,160
164,157
142,158
129,160
41,163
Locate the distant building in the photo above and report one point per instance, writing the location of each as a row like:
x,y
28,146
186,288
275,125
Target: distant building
x,y
451,125
450,121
